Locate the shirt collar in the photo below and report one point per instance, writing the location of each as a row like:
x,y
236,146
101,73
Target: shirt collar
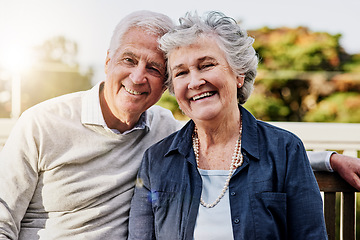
x,y
183,139
91,113
249,136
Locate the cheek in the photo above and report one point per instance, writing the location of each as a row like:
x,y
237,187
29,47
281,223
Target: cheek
x,y
179,86
157,88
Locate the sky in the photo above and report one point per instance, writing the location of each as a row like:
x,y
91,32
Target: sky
x,y
90,23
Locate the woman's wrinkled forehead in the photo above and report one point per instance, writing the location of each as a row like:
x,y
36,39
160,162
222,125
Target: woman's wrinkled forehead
x,y
192,40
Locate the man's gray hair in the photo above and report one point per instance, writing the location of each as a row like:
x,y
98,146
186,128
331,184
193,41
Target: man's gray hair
x,y
151,22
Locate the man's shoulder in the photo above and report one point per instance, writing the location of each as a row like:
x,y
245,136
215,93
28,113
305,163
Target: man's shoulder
x,y
158,110
160,115
63,106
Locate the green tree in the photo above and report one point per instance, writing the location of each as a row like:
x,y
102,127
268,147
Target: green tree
x,y
296,72
297,49
339,107
169,101
56,72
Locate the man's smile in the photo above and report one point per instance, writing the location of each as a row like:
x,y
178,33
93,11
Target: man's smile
x,y
133,92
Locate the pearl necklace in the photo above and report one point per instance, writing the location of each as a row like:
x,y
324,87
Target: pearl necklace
x,y
237,161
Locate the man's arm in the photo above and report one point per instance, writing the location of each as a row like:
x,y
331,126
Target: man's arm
x,y
320,160
347,167
18,178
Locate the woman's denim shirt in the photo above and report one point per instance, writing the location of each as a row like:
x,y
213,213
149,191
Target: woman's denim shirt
x,y
273,195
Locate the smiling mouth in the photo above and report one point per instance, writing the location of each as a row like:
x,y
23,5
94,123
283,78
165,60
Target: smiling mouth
x,y
203,95
133,92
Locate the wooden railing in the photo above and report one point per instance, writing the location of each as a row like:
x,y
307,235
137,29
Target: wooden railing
x,y
331,184
343,137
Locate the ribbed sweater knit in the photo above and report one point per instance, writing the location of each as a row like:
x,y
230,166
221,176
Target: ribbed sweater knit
x,y
62,177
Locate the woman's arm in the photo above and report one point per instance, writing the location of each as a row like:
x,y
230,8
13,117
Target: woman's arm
x,y
304,203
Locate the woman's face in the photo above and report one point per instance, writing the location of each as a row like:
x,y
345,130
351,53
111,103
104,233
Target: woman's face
x,y
204,84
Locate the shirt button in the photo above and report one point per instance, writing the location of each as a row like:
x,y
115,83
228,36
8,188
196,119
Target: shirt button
x,y
233,193
236,221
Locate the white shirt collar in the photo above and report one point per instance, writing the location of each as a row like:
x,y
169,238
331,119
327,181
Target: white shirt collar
x,y
91,113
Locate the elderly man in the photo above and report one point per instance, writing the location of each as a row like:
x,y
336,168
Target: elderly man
x,y
69,166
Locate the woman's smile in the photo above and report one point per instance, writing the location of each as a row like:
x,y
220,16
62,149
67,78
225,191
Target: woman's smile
x,y
203,95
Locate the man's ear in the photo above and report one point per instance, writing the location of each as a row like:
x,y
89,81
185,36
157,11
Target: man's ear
x,y
107,60
164,89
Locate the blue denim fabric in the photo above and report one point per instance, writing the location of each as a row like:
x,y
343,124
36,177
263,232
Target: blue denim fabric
x,y
273,195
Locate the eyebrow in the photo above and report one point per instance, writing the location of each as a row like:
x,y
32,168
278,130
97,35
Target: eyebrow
x,y
206,58
130,54
202,59
152,63
177,67
158,65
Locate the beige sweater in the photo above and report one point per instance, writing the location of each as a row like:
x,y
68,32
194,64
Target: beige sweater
x,y
63,176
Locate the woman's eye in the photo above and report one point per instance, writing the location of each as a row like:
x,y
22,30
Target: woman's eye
x,y
207,65
178,74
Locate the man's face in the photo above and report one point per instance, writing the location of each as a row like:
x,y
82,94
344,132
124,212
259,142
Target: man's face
x,y
134,75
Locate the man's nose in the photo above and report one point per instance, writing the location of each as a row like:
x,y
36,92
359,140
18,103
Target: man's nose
x,y
138,74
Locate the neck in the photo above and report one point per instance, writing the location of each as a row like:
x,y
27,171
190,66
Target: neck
x,y
222,131
215,150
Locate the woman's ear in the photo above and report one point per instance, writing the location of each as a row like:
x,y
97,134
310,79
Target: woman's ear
x,y
240,80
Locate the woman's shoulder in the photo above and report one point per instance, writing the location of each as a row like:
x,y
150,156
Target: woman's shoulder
x,y
262,129
176,141
269,129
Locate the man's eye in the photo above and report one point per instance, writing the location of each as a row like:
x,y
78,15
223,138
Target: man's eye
x,y
155,71
128,60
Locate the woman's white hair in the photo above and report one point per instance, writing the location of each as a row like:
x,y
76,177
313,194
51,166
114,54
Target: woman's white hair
x,y
233,40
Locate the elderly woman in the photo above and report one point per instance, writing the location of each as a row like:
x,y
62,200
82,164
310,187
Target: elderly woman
x,y
224,175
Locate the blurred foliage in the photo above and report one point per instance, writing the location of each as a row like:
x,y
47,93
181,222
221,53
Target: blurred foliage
x,y
339,107
297,49
301,72
267,107
54,72
353,65
168,101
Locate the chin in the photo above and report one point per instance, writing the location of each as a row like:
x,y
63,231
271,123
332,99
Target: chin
x,y
204,117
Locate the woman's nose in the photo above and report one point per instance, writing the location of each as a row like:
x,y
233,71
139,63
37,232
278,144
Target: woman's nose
x,y
195,81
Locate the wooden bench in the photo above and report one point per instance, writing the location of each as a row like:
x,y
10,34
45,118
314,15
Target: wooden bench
x,y
330,184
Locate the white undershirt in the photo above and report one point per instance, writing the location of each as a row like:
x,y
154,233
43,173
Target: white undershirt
x,y
214,223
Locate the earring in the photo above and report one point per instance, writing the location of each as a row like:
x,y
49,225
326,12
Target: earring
x,y
239,85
